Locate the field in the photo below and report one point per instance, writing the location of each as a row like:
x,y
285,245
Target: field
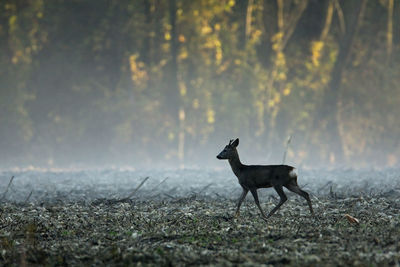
x,y
185,218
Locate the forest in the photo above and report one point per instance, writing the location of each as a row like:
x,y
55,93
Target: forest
x,y
168,82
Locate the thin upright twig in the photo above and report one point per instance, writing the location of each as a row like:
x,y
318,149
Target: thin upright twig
x,y
286,148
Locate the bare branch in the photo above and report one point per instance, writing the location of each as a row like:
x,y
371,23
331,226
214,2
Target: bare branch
x,y
340,14
390,30
328,21
291,26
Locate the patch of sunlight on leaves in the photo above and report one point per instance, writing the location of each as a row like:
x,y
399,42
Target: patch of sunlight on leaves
x,y
316,48
210,116
206,29
286,91
182,88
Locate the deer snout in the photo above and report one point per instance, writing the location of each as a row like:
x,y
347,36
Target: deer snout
x,y
219,157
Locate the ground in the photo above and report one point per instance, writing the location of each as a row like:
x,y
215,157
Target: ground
x,y
200,231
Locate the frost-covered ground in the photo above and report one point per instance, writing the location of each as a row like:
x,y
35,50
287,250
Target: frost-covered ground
x,y
181,218
66,186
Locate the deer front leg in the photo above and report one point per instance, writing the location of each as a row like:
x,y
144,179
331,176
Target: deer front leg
x,y
242,196
280,192
255,195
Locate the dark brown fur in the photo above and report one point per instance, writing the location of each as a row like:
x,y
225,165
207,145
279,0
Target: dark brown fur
x,y
253,177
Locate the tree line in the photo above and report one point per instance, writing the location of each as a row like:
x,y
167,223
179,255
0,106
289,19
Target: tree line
x,y
139,82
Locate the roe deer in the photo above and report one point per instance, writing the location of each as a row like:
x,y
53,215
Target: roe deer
x,y
253,177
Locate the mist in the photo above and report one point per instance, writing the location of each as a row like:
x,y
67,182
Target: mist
x,y
137,84
112,114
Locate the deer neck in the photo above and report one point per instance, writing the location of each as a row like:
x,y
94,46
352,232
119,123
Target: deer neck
x,y
235,163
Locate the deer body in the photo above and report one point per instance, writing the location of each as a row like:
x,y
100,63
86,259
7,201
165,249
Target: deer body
x,y
253,177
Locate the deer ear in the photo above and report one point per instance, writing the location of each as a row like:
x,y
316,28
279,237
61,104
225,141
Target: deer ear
x,y
235,143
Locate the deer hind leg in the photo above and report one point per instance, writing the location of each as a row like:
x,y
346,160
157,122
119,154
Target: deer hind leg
x,y
293,186
283,197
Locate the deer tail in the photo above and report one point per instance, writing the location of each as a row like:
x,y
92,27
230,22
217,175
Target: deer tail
x,y
293,174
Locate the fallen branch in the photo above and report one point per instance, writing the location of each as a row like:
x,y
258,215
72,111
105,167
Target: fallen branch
x,y
154,188
8,186
170,196
134,191
324,186
205,188
29,196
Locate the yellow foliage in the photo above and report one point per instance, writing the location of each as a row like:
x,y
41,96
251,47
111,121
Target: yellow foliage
x,y
181,114
271,103
182,88
14,60
179,12
210,116
167,36
183,54
280,59
275,47
9,7
286,91
218,55
206,29
12,21
277,98
138,73
316,49
277,37
256,35
223,67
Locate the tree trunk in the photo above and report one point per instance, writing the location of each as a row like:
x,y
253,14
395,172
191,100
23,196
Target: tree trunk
x,y
241,9
329,109
173,91
173,96
145,51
